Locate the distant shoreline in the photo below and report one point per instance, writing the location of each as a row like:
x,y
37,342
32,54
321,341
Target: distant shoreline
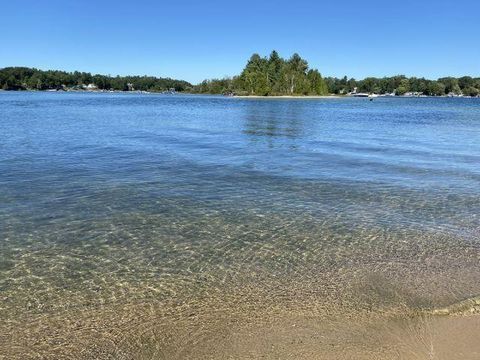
x,y
347,97
253,97
288,96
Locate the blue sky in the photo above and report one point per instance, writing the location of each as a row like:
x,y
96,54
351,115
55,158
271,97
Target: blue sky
x,y
194,40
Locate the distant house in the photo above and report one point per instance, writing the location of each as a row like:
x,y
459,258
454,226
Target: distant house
x,y
91,87
169,91
130,87
352,93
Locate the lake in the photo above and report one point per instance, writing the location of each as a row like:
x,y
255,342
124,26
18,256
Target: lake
x,y
177,226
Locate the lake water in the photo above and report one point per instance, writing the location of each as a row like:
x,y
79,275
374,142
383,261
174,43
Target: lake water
x,y
169,225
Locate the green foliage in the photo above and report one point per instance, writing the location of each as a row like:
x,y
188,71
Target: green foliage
x,y
317,84
451,85
404,87
215,86
400,85
270,76
21,78
254,77
435,88
471,91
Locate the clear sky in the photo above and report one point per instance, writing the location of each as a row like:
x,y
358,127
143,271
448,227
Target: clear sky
x,y
194,40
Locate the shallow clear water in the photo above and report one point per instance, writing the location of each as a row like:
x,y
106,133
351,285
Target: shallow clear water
x,y
140,200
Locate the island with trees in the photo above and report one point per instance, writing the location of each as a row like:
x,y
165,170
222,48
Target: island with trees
x,y
270,76
262,76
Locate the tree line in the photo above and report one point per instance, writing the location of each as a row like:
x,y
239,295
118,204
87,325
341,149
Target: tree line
x,y
400,85
24,78
270,76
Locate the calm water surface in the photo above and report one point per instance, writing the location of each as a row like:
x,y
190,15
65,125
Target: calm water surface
x,y
129,201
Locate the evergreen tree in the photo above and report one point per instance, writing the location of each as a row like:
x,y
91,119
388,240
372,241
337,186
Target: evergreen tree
x,y
275,63
295,72
317,85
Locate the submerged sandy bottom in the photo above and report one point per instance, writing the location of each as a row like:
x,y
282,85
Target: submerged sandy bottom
x,y
341,314
244,332
146,290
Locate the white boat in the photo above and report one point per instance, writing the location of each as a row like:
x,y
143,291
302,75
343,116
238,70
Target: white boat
x,y
365,95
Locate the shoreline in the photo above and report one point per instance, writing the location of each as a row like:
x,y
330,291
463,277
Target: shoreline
x,y
305,97
288,97
333,96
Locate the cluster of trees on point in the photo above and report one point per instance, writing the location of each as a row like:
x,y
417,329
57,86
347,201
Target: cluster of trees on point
x,y
401,85
23,78
269,76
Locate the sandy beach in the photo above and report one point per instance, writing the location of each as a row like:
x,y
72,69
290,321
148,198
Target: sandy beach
x,y
287,97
